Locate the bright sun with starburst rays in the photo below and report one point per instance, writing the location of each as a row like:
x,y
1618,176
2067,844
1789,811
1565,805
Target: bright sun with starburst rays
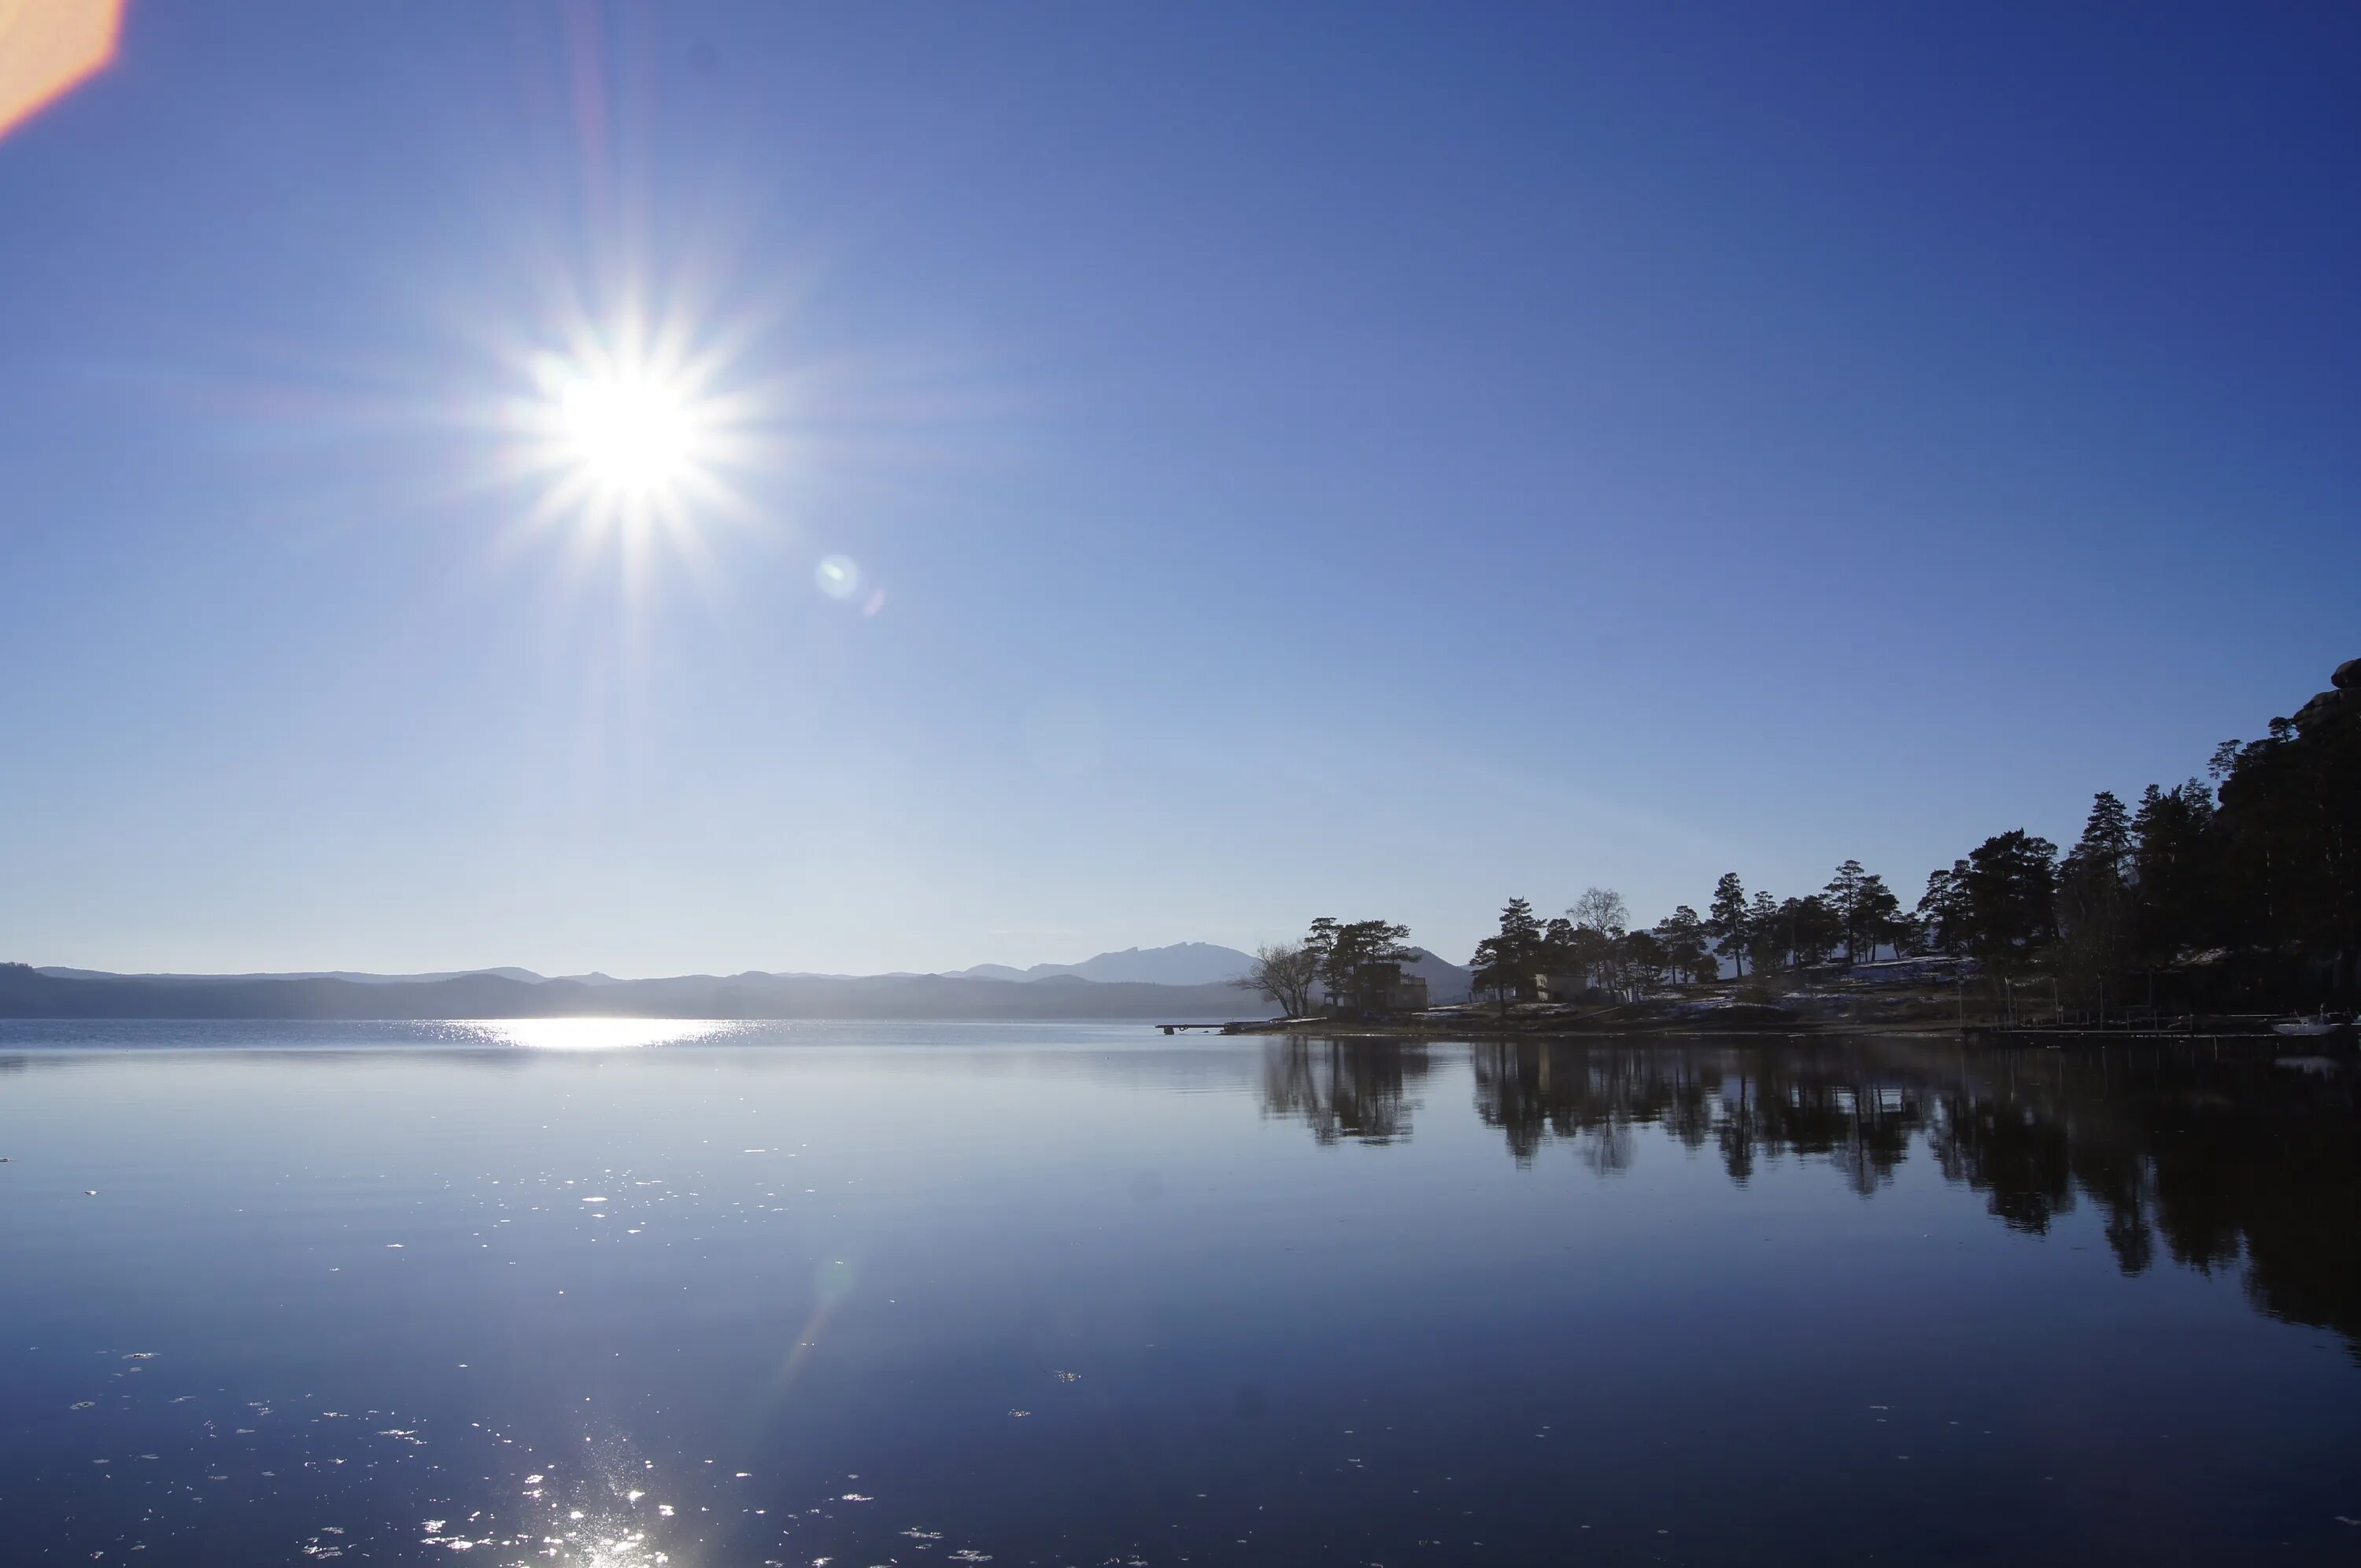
x,y
630,436
625,432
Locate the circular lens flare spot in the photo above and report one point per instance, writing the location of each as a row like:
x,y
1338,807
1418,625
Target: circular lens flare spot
x,y
839,576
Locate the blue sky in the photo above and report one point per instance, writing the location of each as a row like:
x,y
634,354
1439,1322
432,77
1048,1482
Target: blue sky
x,y
1299,461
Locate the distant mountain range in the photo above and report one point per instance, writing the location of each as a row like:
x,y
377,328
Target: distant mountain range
x,y
59,972
1184,963
1202,963
29,993
1185,981
1445,982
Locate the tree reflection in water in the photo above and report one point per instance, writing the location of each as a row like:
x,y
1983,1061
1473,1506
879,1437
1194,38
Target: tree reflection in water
x,y
2228,1158
1357,1090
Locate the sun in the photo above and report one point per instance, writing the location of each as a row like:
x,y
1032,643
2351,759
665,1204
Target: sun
x,y
631,429
628,437
625,437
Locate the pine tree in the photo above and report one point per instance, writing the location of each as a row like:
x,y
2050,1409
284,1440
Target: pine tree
x,y
1517,926
1808,929
1943,910
1684,938
2174,865
1876,916
2106,840
1361,961
1844,897
1505,963
2093,904
1726,919
1764,937
2010,890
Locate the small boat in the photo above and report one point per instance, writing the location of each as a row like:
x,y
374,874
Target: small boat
x,y
2320,1028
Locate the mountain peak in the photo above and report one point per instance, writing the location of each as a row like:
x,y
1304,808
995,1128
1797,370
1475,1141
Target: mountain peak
x,y
1181,963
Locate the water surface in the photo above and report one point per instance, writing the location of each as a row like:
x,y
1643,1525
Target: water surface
x,y
630,1293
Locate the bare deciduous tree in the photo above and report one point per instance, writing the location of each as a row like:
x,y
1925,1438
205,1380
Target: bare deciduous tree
x,y
1602,910
1285,975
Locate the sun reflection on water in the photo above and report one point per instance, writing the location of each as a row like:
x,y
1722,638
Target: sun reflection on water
x,y
597,1034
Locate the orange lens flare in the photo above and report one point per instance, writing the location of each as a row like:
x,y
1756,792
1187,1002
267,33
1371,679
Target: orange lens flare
x,y
48,47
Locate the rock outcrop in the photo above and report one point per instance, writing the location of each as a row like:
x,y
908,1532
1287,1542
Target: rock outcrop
x,y
2342,701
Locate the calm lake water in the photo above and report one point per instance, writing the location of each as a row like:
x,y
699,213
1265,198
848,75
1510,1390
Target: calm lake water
x,y
635,1293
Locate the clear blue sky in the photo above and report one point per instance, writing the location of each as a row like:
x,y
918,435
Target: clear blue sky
x,y
1354,461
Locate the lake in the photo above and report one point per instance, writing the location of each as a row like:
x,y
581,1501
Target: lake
x,y
620,1293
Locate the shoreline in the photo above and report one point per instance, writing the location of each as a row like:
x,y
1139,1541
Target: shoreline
x,y
1978,1033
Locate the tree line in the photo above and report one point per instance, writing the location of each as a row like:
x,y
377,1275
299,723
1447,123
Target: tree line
x,y
1594,944
2260,866
1341,966
2255,868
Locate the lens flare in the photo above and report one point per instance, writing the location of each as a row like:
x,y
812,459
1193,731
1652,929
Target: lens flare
x,y
48,47
839,576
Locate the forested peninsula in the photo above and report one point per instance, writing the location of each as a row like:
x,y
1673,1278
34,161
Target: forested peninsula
x,y
2227,898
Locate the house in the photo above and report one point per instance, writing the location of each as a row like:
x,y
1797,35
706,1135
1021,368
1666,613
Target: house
x,y
1382,988
1566,988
